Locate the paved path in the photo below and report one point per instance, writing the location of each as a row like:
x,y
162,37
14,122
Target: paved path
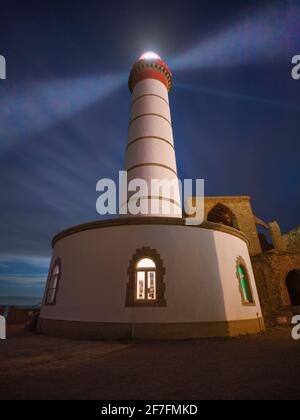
x,y
263,367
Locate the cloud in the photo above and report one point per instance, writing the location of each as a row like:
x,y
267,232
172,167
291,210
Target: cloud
x,y
21,280
3,265
7,260
22,275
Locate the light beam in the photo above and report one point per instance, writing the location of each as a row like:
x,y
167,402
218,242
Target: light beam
x,y
261,36
29,109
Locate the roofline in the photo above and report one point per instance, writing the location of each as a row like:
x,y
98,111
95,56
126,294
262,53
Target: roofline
x,y
129,221
228,198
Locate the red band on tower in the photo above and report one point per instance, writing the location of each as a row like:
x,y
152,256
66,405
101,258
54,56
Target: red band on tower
x,y
150,69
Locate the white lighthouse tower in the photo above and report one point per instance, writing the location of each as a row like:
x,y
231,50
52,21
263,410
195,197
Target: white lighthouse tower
x,y
150,154
150,277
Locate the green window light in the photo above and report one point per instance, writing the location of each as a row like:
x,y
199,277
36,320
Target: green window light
x,y
245,286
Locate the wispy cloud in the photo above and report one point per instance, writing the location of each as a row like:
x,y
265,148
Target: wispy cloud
x,y
22,275
6,260
21,280
3,265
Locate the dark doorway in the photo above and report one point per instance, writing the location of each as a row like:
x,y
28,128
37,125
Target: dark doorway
x,y
293,286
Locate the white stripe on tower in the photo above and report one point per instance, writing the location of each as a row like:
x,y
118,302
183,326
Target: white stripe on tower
x,y
150,151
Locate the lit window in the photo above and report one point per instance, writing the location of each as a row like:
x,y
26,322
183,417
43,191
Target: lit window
x,y
245,285
151,285
146,279
141,284
53,284
146,263
146,285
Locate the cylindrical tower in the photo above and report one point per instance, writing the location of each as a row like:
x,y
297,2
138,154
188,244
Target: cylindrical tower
x,y
88,294
150,151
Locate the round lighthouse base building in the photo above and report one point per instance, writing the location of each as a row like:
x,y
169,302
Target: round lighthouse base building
x,y
150,278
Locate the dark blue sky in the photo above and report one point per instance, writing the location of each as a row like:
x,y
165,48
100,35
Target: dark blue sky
x,y
64,110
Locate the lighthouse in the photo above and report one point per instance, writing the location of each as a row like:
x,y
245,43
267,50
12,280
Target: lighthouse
x,y
150,153
150,274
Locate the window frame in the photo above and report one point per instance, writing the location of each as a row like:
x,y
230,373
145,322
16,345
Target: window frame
x,y
133,270
58,264
240,263
146,271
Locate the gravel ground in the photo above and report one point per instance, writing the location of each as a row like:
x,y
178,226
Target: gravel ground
x,y
265,366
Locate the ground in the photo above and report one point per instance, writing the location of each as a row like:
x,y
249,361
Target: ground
x,y
265,366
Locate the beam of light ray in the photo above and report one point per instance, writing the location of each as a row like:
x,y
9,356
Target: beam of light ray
x,y
28,109
56,182
266,35
238,96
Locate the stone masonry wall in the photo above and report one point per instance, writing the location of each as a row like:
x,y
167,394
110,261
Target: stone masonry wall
x,y
241,207
270,271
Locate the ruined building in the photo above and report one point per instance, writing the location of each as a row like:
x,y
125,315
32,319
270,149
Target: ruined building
x,y
275,257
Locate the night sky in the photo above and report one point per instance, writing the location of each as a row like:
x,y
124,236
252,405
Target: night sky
x,y
65,105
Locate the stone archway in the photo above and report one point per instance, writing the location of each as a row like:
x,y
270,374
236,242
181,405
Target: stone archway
x,y
223,215
271,271
264,236
293,287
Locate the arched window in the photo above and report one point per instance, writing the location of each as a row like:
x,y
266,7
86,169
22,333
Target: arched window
x,y
145,286
146,279
223,215
245,287
53,284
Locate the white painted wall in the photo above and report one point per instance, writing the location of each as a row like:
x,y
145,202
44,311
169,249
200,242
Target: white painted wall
x,y
156,105
155,140
150,86
150,150
150,126
201,281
